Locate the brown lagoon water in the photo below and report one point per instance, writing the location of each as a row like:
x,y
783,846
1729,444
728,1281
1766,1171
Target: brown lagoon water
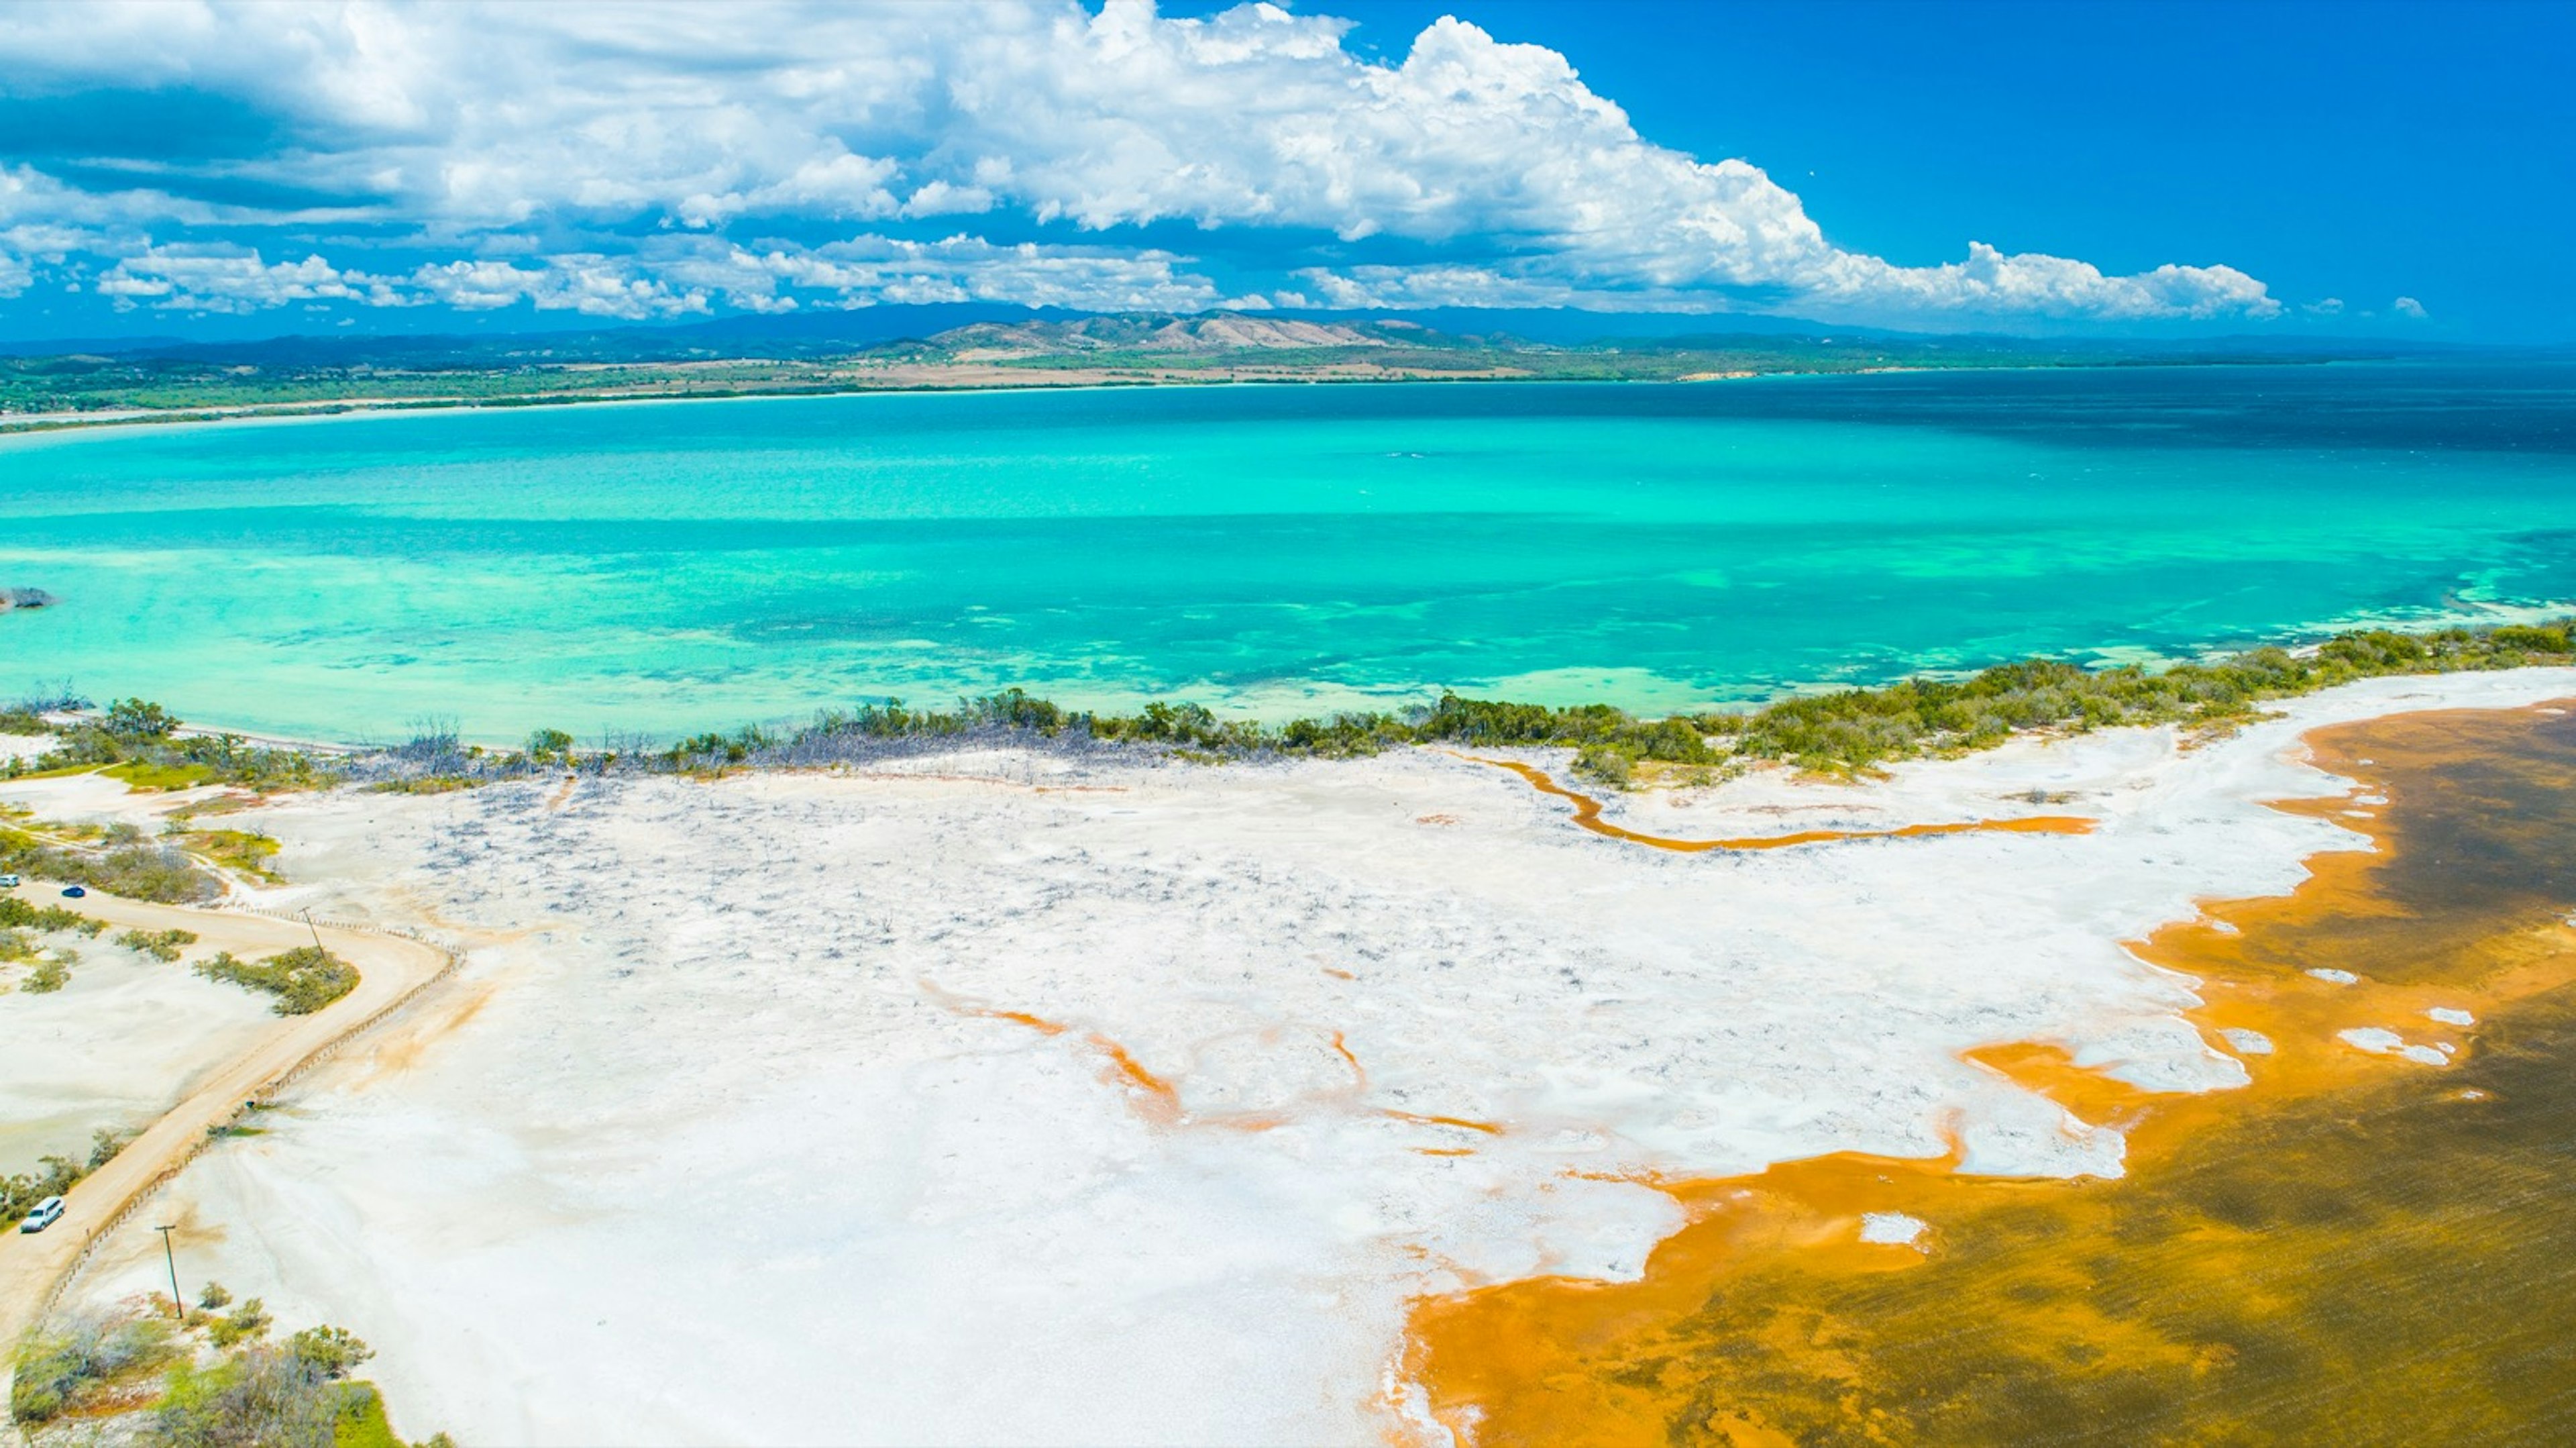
x,y
2359,1249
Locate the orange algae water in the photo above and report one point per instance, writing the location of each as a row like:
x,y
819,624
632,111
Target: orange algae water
x,y
2358,1248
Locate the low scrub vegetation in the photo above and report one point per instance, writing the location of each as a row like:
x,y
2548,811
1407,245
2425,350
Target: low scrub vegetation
x,y
1839,731
18,914
161,945
90,1361
131,1375
138,742
304,979
242,850
136,870
50,974
55,1175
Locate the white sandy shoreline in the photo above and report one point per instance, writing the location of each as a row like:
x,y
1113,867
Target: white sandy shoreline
x,y
700,1146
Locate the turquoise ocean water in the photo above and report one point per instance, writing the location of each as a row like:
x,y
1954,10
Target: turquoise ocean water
x,y
662,567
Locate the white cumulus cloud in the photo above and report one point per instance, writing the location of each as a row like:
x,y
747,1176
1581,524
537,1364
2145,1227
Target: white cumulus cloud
x,y
224,279
550,154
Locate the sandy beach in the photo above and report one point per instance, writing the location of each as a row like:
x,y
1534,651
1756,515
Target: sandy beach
x,y
1007,1099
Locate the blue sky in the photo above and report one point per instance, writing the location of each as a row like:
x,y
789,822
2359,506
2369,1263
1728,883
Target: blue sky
x,y
2173,168
2351,150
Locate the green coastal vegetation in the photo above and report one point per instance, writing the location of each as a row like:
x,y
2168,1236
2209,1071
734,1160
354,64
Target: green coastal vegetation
x,y
1839,732
161,945
54,1175
138,743
197,1378
304,979
136,869
21,923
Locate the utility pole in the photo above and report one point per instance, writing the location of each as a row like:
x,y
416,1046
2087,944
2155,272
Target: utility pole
x,y
178,1304
317,932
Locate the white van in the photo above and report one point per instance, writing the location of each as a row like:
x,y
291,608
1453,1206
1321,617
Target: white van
x,y
47,1212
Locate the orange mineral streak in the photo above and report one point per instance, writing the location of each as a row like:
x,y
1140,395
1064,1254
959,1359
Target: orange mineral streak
x,y
2261,1239
1460,1122
1587,814
1359,1073
1156,1099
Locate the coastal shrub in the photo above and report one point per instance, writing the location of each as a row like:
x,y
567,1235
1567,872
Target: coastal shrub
x,y
19,1194
1604,763
241,850
16,913
104,1144
1837,731
51,974
151,872
78,1362
2531,640
14,945
63,917
133,721
161,945
137,871
304,979
136,741
228,759
262,1397
247,1321
330,1351
213,1296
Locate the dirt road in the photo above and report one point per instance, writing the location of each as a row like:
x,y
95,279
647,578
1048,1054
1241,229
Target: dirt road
x,y
389,969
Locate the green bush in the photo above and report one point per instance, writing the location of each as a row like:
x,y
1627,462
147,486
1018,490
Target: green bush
x,y
264,1397
332,1351
71,1366
161,945
17,912
136,740
137,871
50,975
250,1320
19,1194
132,721
304,979
156,873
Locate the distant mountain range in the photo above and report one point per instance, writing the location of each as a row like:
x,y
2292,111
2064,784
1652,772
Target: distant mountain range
x,y
1020,331
966,345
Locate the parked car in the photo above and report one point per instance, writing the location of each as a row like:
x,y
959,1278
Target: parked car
x,y
73,892
8,882
47,1212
